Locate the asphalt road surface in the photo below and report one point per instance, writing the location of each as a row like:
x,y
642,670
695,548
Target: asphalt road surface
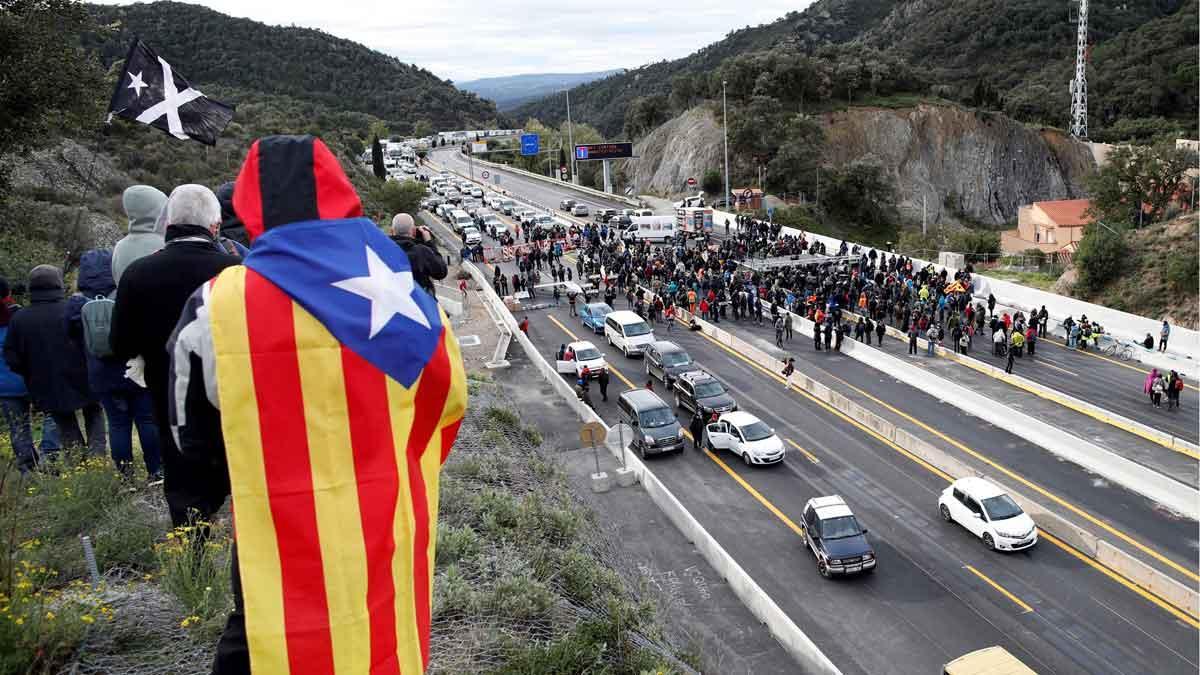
x,y
937,592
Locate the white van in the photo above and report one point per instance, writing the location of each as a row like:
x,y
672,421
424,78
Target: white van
x,y
651,228
628,332
460,219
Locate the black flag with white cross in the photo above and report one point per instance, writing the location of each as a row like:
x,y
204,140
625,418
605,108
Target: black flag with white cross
x,y
149,92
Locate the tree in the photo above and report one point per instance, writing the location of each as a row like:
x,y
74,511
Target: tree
x,y
793,168
423,129
1138,183
712,183
377,159
400,197
1100,257
862,191
49,86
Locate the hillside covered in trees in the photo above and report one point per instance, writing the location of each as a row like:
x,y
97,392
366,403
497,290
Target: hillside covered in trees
x,y
1014,56
212,48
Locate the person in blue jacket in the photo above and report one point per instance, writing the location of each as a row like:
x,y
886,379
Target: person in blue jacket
x,y
125,403
16,408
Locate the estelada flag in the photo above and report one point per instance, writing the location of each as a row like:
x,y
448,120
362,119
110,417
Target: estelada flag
x,y
341,390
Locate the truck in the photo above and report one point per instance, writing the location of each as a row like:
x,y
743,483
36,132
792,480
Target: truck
x,y
694,219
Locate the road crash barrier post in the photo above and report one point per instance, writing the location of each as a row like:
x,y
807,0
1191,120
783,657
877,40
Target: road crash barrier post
x,y
801,648
1134,569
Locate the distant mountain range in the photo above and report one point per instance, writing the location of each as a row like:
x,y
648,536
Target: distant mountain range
x,y
510,92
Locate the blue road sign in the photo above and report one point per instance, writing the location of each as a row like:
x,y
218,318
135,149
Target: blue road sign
x,y
530,144
581,152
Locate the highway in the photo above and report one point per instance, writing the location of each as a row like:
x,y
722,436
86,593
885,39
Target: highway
x,y
937,593
529,189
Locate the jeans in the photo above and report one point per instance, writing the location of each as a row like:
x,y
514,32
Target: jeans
x,y
930,344
72,435
16,411
124,410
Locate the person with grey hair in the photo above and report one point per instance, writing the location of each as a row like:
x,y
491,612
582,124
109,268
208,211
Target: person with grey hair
x,y
150,297
417,242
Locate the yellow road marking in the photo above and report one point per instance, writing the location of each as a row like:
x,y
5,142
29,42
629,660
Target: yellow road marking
x,y
1148,595
932,469
811,457
1002,590
1033,486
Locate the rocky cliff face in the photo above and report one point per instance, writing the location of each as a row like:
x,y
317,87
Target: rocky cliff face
x,y
981,166
685,147
965,164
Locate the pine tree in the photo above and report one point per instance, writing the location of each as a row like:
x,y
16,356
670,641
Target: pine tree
x,y
377,159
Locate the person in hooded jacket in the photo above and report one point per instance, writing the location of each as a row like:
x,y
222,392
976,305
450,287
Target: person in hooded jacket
x,y
143,204
37,348
150,297
15,405
289,408
125,403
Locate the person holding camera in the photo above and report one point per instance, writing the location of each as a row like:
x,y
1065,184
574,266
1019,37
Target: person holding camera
x,y
418,244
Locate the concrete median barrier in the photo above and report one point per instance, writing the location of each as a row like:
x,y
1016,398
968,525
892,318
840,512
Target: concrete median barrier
x,y
1182,596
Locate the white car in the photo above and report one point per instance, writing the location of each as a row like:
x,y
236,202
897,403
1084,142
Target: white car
x,y
746,436
471,235
587,355
477,193
985,510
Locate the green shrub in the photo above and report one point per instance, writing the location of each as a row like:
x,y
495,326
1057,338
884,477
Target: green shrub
x,y
195,569
1035,256
1183,272
1101,257
456,543
502,417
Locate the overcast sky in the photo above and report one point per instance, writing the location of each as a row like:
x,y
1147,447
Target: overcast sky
x,y
469,39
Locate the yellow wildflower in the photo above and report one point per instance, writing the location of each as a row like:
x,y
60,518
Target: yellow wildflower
x,y
87,618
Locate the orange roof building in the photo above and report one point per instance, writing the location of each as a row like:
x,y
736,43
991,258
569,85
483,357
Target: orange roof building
x,y
1049,226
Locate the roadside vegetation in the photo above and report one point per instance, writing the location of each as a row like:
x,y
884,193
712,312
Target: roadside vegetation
x,y
525,581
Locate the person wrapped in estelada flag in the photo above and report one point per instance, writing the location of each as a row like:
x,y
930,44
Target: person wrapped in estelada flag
x,y
333,387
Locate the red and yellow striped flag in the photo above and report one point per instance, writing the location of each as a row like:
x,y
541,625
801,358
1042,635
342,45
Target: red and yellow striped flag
x,y
333,466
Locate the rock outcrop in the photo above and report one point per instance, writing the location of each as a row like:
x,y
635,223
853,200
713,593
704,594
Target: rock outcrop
x,y
977,165
684,147
971,165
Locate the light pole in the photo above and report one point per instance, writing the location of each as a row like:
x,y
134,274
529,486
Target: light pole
x,y
725,132
570,134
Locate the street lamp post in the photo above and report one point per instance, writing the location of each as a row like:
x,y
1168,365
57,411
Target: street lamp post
x,y
725,132
570,135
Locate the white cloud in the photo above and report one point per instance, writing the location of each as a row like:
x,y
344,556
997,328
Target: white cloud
x,y
468,39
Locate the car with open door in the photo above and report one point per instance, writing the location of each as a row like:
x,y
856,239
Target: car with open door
x,y
746,436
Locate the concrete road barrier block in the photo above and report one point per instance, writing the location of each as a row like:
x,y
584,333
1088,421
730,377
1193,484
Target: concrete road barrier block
x,y
1135,570
626,476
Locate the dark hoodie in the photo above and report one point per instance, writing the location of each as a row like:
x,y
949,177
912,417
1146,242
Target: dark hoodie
x,y
95,279
37,347
231,225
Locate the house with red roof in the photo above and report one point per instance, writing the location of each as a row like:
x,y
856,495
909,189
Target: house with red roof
x,y
1050,226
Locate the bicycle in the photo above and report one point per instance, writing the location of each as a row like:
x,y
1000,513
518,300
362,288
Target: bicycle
x,y
1121,350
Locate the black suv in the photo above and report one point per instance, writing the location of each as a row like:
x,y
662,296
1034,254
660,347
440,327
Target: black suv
x,y
699,390
835,538
667,361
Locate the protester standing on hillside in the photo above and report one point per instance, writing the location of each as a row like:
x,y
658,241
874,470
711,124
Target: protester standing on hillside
x,y
143,205
323,382
125,403
151,294
37,349
16,407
